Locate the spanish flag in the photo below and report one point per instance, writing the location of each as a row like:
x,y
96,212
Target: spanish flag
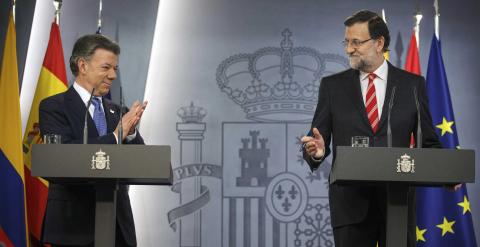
x,y
12,190
412,62
412,65
52,80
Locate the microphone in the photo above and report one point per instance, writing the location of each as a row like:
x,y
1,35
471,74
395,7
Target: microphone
x,y
120,129
85,126
419,122
389,128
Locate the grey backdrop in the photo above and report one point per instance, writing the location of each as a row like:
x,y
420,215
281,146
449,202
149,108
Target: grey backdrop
x,y
257,24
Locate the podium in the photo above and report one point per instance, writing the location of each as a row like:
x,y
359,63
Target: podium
x,y
105,167
398,169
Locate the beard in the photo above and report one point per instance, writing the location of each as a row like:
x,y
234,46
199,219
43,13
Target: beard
x,y
358,63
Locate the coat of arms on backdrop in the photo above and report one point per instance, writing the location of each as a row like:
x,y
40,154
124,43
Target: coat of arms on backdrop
x,y
268,195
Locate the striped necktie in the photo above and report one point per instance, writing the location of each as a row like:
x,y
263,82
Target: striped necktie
x,y
371,103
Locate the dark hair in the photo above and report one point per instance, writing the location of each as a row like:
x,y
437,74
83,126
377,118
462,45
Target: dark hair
x,y
376,26
86,45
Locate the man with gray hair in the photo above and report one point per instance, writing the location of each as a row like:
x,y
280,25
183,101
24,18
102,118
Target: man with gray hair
x,y
70,214
351,105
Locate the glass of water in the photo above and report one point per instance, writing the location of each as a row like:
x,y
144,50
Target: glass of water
x,y
52,139
360,141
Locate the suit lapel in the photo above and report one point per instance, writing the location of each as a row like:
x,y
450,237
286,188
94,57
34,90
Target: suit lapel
x,y
111,115
356,95
392,79
76,108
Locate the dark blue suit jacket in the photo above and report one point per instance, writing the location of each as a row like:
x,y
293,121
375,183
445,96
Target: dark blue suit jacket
x,y
70,213
341,114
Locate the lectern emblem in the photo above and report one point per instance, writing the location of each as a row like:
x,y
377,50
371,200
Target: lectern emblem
x,y
100,161
405,164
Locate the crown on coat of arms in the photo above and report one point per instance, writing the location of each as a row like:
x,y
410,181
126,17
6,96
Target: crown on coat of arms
x,y
100,153
277,83
191,113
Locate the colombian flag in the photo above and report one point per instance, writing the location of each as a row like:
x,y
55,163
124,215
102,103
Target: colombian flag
x,y
12,190
52,80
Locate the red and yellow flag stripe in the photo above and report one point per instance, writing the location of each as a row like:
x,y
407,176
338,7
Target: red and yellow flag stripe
x,y
52,80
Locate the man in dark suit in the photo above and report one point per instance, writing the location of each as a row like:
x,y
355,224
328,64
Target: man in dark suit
x,y
354,103
70,213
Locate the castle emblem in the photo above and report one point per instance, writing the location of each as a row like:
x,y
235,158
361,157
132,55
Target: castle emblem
x,y
100,161
405,164
254,161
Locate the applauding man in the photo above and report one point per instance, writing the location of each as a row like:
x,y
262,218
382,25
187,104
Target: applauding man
x,y
70,214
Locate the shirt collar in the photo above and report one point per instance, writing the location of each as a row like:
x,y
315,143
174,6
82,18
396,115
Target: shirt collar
x,y
381,72
84,93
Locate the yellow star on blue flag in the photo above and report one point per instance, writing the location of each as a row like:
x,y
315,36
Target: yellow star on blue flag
x,y
465,205
420,233
445,126
446,226
437,203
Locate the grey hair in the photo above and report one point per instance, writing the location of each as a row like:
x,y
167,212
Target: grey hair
x,y
86,45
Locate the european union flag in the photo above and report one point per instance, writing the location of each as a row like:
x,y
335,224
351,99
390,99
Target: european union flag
x,y
444,218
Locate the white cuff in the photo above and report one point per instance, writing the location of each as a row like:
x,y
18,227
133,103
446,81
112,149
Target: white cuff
x,y
132,136
116,138
128,138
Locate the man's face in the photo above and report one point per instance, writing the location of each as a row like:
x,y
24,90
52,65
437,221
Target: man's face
x,y
364,53
99,71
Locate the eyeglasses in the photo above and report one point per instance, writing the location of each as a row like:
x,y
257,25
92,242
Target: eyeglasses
x,y
355,43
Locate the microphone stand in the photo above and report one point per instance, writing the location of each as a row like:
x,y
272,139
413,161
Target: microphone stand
x,y
85,125
419,122
389,128
120,129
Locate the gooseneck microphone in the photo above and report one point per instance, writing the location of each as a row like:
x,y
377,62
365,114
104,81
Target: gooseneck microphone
x,y
389,128
120,129
419,122
85,126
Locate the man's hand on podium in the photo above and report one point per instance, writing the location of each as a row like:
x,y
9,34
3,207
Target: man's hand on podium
x,y
453,188
314,145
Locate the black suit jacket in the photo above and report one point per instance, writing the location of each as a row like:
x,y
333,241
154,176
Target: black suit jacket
x,y
341,114
70,212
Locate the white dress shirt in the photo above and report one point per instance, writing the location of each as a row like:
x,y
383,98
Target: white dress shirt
x,y
85,95
380,83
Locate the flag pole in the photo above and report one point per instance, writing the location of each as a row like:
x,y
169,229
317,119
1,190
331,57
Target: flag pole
x,y
383,16
418,17
99,23
58,6
386,54
13,10
437,19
